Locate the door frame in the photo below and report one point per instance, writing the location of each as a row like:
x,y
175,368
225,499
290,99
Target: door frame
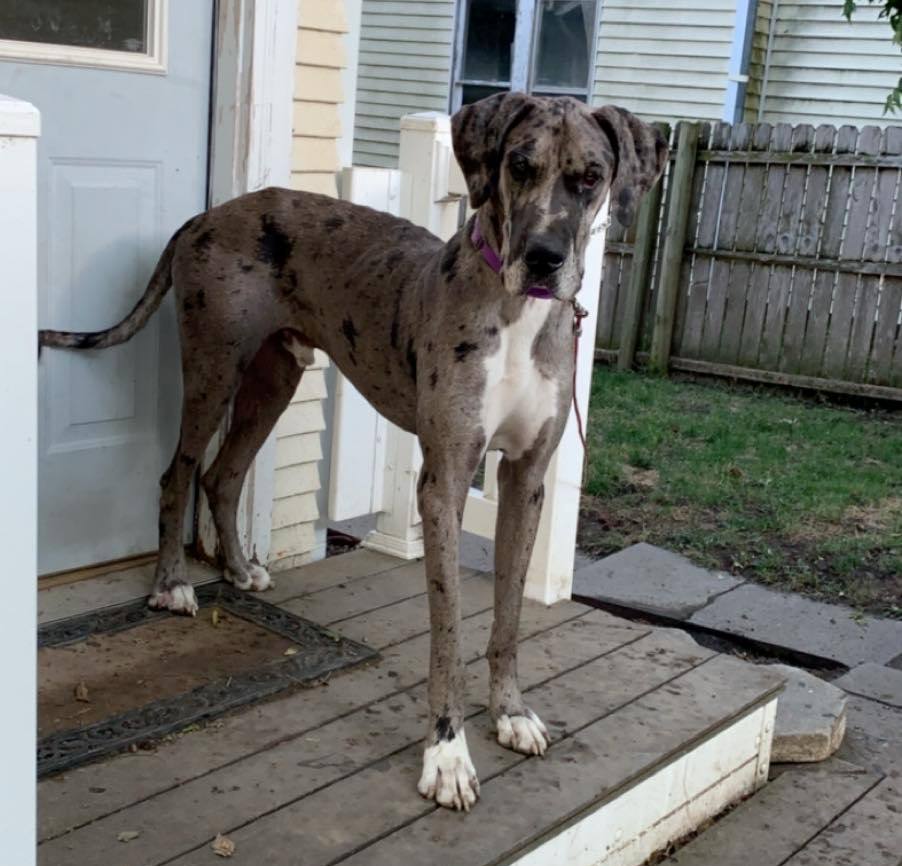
x,y
254,46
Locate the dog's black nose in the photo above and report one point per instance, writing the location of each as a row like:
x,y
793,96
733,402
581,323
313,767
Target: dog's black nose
x,y
542,260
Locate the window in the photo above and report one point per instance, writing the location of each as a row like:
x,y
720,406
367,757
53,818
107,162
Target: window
x,y
546,47
126,34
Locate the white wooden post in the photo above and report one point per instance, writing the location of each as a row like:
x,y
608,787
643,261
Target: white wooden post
x,y
427,168
250,149
550,575
19,130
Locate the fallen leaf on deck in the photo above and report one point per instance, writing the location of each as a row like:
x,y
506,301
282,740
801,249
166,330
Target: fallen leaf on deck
x,y
222,846
81,693
214,617
128,835
291,651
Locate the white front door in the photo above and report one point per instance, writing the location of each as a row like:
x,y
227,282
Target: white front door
x,y
123,87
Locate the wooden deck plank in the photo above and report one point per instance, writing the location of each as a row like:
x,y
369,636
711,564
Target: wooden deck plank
x,y
778,820
172,821
362,595
108,590
868,834
386,790
90,792
246,736
329,572
519,807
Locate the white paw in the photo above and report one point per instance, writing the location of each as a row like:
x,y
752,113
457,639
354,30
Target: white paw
x,y
260,579
449,776
254,577
524,733
179,599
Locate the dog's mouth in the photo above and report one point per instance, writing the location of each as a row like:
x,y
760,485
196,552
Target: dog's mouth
x,y
539,291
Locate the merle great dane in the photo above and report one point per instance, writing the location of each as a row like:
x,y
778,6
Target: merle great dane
x,y
467,344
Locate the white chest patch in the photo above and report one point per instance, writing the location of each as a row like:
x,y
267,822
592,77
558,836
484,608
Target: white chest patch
x,y
518,399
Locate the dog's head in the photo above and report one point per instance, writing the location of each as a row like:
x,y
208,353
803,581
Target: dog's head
x,y
545,166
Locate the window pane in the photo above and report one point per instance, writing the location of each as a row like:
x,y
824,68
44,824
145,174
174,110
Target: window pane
x,y
116,25
490,37
564,49
475,92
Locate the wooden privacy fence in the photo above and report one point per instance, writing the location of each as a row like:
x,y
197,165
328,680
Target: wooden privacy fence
x,y
774,254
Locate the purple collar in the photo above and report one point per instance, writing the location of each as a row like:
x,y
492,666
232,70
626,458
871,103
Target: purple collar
x,y
496,263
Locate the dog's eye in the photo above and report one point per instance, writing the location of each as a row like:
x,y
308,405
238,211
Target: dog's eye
x,y
591,178
519,168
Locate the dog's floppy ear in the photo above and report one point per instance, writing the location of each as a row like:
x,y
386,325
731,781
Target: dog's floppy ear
x,y
478,132
640,152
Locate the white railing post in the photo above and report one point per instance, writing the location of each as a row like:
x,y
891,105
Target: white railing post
x,y
427,165
19,130
550,575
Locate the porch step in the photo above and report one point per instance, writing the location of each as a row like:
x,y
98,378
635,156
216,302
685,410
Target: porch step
x,y
651,735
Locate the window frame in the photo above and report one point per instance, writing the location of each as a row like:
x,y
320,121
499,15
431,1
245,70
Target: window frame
x,y
154,60
523,57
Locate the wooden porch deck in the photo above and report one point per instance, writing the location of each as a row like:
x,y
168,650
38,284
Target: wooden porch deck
x,y
651,735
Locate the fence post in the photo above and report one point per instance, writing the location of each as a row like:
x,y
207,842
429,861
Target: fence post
x,y
643,256
674,241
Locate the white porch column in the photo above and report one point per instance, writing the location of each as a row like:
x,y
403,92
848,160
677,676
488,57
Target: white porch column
x,y
426,163
550,575
19,130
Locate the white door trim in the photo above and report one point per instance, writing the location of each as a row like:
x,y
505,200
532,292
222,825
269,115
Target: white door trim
x,y
250,148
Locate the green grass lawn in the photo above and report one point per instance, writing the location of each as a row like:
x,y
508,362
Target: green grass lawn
x,y
783,490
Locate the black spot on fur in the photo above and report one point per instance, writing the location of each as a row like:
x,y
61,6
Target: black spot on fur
x,y
492,331
393,259
273,245
333,222
433,379
443,729
538,494
351,333
202,244
87,341
247,268
412,360
201,299
394,331
461,350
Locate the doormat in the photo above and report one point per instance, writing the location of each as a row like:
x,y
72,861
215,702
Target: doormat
x,y
116,678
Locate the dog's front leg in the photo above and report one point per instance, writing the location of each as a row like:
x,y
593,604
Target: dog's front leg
x,y
520,495
448,774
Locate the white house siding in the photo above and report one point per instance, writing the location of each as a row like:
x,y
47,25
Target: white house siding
x,y
406,50
665,61
298,535
824,69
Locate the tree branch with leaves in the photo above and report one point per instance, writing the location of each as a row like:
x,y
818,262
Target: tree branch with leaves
x,y
892,11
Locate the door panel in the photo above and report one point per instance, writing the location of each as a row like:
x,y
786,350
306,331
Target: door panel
x,y
122,163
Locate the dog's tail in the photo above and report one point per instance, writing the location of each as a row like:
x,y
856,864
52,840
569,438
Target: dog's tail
x,y
159,284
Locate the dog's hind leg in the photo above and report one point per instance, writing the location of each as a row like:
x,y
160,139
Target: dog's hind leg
x,y
204,404
265,392
520,495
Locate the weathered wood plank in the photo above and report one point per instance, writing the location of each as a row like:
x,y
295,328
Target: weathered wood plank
x,y
778,820
806,245
887,338
862,215
699,181
573,700
743,202
675,229
611,279
187,816
843,292
784,287
364,594
641,267
620,747
329,572
754,243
